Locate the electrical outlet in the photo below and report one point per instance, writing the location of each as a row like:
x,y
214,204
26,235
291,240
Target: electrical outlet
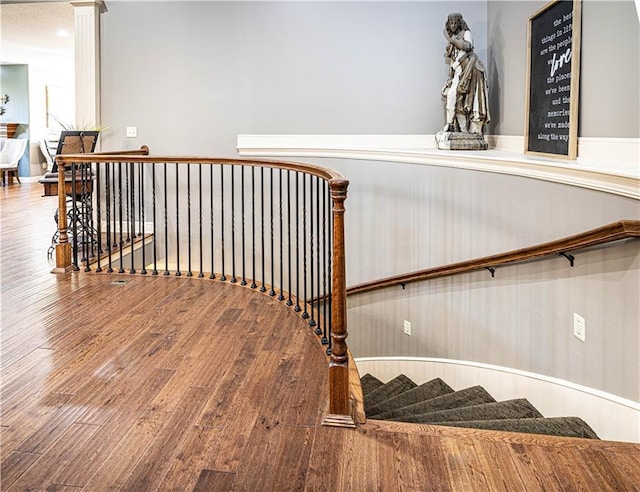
x,y
407,327
132,132
579,327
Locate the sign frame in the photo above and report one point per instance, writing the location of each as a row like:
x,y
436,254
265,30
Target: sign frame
x,y
547,103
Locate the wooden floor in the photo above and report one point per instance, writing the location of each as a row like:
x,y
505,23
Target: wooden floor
x,y
185,384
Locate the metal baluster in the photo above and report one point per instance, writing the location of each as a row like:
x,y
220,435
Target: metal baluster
x,y
325,337
312,239
253,227
201,273
330,262
132,219
178,272
189,272
120,223
233,225
114,242
305,314
126,201
318,330
212,275
98,217
108,168
166,224
297,308
155,234
74,217
263,288
281,296
290,289
244,275
142,216
272,292
223,277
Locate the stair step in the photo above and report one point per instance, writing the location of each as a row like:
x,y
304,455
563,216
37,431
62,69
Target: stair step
x,y
510,409
397,385
551,426
369,383
431,389
475,395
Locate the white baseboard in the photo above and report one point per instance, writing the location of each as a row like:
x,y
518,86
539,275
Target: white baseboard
x,y
611,417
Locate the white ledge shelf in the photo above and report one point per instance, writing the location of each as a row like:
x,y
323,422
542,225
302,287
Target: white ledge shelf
x,y
610,165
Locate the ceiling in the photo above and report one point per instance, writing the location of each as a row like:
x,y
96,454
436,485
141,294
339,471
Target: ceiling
x,y
36,26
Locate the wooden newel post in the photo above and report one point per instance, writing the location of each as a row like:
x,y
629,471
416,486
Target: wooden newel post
x,y
63,248
339,402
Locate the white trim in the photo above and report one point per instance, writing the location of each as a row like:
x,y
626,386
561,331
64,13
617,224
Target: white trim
x,y
595,167
612,417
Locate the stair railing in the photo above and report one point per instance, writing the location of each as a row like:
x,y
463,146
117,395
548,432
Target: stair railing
x,y
277,227
616,231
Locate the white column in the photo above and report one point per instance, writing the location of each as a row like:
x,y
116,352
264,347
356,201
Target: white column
x,y
87,61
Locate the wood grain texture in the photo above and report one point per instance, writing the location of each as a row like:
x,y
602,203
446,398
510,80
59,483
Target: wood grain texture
x,y
182,384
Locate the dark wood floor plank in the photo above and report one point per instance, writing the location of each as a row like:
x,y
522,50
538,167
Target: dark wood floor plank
x,y
214,481
149,472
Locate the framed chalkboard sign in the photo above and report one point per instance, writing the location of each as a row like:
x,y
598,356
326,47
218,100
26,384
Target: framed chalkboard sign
x,y
553,61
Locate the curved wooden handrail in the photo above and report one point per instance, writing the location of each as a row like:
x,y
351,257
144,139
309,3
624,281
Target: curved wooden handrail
x,y
616,231
319,171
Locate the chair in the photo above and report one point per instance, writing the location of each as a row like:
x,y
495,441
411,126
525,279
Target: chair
x,y
10,156
45,148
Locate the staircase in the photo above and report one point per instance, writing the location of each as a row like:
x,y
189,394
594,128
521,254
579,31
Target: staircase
x,y
436,403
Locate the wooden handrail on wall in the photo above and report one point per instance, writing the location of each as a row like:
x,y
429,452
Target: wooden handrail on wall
x,y
616,231
341,411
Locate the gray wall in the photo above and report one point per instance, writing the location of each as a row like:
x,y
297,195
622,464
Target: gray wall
x,y
609,67
192,76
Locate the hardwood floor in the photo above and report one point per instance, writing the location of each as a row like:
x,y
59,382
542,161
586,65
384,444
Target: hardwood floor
x,y
186,384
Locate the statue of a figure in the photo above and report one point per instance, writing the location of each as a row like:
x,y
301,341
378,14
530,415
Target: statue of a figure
x,y
465,93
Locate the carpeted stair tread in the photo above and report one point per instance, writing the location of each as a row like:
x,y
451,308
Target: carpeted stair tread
x,y
510,409
369,383
397,385
475,395
426,391
551,426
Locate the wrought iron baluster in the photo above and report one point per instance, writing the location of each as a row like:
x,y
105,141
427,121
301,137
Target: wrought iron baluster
x,y
201,273
242,211
98,217
312,239
121,220
318,329
107,179
263,287
166,223
305,314
74,217
143,231
212,275
290,288
297,308
189,271
178,272
155,232
223,277
132,219
233,225
325,191
280,210
272,292
254,275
